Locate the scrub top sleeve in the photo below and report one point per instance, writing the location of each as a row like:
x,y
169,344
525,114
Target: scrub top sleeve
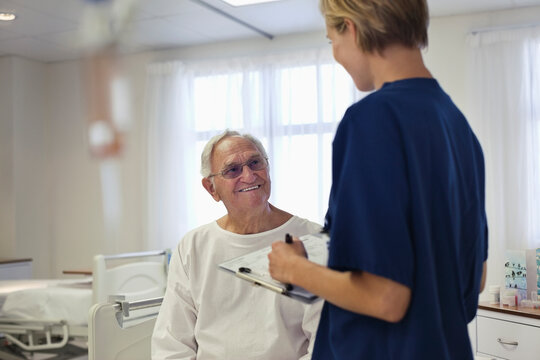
x,y
370,197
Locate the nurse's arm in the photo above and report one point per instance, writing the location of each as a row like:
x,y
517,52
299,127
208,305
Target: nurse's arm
x,y
359,292
484,274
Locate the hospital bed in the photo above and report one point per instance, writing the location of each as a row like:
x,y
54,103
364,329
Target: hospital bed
x,y
49,316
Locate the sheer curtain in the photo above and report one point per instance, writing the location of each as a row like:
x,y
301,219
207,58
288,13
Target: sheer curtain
x,y
292,102
505,82
167,103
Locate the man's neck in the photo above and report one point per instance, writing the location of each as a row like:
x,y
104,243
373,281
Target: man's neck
x,y
254,222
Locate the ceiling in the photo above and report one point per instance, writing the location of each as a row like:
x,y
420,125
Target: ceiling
x,y
49,30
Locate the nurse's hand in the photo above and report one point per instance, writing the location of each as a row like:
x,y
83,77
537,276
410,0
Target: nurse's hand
x,y
283,258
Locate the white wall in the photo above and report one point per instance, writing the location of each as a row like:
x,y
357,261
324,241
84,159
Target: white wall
x,y
448,55
60,221
7,227
25,177
78,227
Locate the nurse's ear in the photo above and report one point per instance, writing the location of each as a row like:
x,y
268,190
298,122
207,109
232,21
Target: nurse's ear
x,y
208,184
350,27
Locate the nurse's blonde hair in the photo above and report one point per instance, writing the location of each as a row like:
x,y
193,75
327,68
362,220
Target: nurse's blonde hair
x,y
380,23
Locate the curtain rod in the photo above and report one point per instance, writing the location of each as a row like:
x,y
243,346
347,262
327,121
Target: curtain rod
x,y
504,27
235,19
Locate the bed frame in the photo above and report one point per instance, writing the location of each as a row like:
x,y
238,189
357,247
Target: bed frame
x,y
136,277
122,330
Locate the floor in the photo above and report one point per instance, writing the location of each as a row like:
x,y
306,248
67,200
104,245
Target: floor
x,y
71,351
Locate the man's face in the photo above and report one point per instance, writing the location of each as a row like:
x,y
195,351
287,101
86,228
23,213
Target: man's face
x,y
251,189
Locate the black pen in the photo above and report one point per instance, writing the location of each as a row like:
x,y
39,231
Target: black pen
x,y
288,240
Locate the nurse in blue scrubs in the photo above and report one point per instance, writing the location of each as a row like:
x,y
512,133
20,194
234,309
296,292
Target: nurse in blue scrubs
x,y
406,213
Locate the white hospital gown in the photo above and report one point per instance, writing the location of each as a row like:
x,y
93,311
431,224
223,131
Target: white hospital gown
x,y
208,313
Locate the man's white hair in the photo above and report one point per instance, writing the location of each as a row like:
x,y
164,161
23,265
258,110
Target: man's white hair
x,y
206,156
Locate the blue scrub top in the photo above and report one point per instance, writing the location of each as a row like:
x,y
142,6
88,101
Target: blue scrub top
x,y
407,203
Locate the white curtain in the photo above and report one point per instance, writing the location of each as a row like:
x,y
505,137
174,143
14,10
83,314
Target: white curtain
x,y
166,100
291,102
506,84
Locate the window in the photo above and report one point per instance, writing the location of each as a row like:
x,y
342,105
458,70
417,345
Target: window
x,y
292,103
294,111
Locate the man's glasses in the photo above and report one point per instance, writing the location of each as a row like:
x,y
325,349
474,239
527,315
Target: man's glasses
x,y
235,170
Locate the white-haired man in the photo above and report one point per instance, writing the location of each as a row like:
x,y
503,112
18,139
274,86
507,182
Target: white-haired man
x,y
209,314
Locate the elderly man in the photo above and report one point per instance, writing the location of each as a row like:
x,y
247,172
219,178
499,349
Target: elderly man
x,y
206,312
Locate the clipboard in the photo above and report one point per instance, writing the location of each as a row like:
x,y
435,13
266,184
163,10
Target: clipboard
x,y
253,267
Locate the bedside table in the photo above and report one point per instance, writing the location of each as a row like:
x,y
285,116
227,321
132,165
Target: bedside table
x,y
507,332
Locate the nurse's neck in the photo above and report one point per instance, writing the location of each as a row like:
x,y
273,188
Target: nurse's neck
x,y
397,62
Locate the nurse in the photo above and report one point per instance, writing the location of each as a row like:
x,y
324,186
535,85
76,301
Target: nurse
x,y
406,213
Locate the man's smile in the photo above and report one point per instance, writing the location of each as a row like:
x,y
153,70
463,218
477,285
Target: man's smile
x,y
250,188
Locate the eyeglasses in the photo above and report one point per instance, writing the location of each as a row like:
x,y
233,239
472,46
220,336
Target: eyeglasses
x,y
235,170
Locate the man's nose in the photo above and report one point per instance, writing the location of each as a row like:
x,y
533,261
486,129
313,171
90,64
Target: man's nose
x,y
247,173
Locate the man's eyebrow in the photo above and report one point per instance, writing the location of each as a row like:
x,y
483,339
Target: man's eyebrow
x,y
226,165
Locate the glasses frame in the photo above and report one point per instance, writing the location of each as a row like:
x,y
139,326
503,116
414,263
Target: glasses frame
x,y
245,163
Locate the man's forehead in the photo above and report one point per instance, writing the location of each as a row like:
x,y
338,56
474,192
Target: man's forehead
x,y
231,148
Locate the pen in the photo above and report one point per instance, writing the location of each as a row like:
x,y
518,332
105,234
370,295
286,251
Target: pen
x,y
288,240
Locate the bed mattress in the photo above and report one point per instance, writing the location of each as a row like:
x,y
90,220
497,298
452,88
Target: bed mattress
x,y
67,300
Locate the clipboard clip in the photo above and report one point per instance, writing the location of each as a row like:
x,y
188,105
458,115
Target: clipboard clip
x,y
246,274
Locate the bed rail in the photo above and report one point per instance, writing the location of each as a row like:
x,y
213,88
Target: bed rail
x,y
126,306
136,254
122,309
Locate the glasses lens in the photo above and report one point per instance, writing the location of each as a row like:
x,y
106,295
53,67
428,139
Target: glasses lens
x,y
232,172
257,164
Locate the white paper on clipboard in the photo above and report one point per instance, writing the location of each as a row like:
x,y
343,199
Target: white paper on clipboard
x,y
316,246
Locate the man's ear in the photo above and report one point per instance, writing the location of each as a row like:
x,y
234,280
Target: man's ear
x,y
209,186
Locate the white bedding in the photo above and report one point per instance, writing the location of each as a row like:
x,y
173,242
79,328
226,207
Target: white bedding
x,y
67,300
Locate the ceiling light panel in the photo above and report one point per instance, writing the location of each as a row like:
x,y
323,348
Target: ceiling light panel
x,y
246,2
7,16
